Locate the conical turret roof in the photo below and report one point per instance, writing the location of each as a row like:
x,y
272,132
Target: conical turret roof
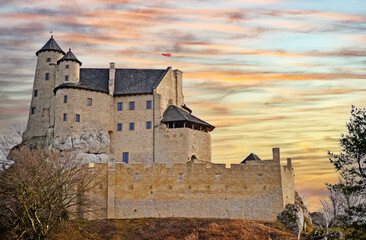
x,y
251,157
70,57
51,45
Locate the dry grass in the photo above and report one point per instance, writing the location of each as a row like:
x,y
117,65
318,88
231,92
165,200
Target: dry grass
x,y
171,229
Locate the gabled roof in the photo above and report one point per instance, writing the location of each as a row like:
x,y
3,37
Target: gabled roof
x,y
94,79
174,114
69,56
251,157
137,81
51,45
127,81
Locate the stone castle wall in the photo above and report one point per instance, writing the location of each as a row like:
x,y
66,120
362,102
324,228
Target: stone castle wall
x,y
42,119
244,191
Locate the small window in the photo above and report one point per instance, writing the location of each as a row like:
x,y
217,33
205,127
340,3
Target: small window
x,y
36,93
132,126
125,157
148,104
119,106
33,111
66,78
48,59
148,125
132,105
67,66
47,76
77,118
136,177
65,99
90,101
65,117
119,127
181,176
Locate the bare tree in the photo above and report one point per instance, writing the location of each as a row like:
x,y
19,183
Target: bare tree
x,y
41,190
9,139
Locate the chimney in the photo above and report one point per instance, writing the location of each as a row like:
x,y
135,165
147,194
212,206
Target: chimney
x,y
178,87
112,74
289,163
276,154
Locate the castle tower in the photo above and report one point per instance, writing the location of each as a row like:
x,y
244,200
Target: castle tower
x,y
40,113
68,70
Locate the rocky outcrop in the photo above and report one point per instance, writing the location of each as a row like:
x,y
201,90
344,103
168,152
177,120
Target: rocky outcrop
x,y
293,218
95,158
87,143
307,216
318,219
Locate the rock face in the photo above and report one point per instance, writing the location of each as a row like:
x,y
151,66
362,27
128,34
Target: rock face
x,y
335,234
307,216
95,158
87,143
293,217
319,220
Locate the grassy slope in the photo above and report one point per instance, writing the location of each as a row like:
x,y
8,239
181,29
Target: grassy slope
x,y
171,228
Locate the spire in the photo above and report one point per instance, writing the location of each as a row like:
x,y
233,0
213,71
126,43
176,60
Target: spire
x,y
70,57
51,45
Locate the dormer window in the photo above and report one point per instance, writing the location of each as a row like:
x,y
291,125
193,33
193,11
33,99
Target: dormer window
x,y
66,78
67,66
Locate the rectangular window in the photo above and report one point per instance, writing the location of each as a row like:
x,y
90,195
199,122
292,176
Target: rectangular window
x,y
119,106
48,59
148,104
132,126
36,93
65,99
67,66
66,78
89,101
119,127
132,105
148,125
77,118
65,117
125,157
33,111
47,76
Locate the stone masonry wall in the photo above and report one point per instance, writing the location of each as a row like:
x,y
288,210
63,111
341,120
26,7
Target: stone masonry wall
x,y
73,72
39,123
179,144
93,119
137,142
244,191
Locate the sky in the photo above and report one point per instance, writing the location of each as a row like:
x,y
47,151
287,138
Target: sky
x,y
266,73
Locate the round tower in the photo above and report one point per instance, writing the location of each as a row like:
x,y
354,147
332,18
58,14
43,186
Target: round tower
x,y
40,113
68,70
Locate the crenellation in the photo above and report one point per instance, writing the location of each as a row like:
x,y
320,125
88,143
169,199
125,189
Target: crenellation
x,y
153,156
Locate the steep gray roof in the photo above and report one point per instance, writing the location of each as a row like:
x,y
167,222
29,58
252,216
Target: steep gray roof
x,y
70,57
51,45
94,79
127,81
173,114
137,81
251,157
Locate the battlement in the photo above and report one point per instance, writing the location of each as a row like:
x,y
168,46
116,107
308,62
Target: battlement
x,y
247,191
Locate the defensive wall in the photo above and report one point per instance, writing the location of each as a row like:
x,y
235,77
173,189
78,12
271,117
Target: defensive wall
x,y
257,190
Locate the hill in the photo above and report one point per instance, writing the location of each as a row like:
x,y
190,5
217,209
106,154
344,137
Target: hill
x,y
171,228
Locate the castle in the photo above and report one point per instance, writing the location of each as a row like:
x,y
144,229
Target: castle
x,y
153,154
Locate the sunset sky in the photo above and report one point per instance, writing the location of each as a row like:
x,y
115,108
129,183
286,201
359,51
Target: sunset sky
x,y
266,73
